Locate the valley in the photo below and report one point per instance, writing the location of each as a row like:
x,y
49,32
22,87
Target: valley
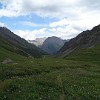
x,y
24,76
72,78
49,49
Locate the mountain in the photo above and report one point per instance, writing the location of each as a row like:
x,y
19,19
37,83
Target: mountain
x,y
52,44
86,39
76,77
37,41
13,43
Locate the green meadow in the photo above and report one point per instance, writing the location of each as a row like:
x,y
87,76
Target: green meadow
x,y
76,77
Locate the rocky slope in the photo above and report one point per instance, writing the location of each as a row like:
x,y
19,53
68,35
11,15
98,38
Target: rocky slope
x,y
37,41
52,44
13,43
86,39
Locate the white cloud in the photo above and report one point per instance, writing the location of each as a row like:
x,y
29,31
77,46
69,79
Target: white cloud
x,y
53,8
30,35
29,23
2,24
65,32
59,23
11,8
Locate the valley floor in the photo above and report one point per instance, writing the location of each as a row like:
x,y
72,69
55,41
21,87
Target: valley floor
x,y
50,79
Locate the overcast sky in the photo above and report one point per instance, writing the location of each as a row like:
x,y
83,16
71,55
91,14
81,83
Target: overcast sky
x,y
32,19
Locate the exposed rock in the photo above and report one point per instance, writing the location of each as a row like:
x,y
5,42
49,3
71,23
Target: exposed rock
x,y
52,44
18,45
38,41
7,61
87,39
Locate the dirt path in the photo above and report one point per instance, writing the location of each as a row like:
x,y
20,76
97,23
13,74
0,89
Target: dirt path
x,y
62,96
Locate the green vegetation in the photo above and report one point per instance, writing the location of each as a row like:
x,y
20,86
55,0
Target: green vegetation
x,y
76,77
11,42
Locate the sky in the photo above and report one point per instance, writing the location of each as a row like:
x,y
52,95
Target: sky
x,y
32,19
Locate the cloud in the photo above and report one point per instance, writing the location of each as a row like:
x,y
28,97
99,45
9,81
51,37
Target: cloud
x,y
73,16
28,23
2,24
11,8
32,24
65,32
26,34
59,23
51,8
30,35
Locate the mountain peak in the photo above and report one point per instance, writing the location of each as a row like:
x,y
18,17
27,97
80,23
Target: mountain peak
x,y
51,44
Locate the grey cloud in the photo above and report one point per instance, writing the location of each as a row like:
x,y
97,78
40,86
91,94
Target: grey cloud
x,y
53,8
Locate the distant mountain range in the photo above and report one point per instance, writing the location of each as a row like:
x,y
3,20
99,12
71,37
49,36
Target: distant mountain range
x,y
50,45
86,39
13,43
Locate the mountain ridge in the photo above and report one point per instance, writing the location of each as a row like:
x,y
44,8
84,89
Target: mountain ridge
x,y
38,41
86,39
52,44
18,45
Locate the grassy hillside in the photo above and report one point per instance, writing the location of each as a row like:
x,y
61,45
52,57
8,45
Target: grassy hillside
x,y
76,77
86,39
13,43
88,54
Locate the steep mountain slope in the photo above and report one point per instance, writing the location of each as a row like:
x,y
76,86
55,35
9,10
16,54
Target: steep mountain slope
x,y
52,44
86,54
87,39
11,42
